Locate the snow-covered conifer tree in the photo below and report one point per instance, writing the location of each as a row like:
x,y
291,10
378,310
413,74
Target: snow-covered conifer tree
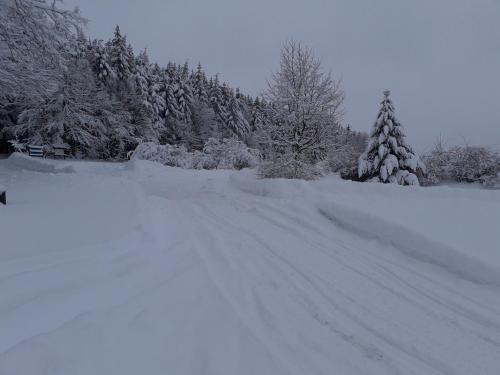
x,y
256,115
99,61
199,83
258,123
184,99
143,82
170,87
388,157
217,95
226,96
132,60
74,114
120,55
204,122
157,97
184,71
236,121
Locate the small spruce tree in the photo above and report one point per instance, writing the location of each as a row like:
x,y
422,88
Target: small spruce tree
x,y
199,83
121,55
388,158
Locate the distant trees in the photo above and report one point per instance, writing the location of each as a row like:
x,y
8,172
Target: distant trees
x,y
303,111
345,151
388,157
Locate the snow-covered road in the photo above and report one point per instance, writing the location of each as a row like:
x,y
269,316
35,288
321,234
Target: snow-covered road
x,y
140,269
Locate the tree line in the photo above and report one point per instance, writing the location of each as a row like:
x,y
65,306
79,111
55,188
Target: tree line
x,y
101,98
104,101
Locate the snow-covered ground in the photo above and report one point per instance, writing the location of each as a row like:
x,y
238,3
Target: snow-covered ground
x,y
137,268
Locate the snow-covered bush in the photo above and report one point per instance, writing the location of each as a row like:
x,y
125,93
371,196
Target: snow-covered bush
x,y
471,164
230,153
173,156
462,164
224,154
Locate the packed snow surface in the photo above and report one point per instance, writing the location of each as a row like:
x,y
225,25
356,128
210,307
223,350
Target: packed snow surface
x,y
138,268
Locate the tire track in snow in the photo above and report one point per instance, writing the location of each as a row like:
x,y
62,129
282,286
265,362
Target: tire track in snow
x,y
428,295
367,350
372,257
424,298
204,241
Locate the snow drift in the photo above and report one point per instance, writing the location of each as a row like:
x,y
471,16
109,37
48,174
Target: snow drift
x,y
410,242
18,161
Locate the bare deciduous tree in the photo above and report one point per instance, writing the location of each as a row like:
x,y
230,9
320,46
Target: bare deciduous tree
x,y
304,110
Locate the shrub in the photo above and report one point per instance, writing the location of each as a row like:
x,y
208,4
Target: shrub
x,y
174,156
224,154
230,153
462,164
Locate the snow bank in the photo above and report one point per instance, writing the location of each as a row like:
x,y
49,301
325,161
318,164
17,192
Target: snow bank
x,y
247,182
452,227
51,212
18,161
463,219
410,242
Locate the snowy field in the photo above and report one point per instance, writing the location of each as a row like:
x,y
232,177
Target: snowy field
x,y
136,268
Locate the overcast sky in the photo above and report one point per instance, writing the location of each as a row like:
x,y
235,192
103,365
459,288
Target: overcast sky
x,y
440,58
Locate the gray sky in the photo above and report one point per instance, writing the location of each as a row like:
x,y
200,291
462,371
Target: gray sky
x,y
440,58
